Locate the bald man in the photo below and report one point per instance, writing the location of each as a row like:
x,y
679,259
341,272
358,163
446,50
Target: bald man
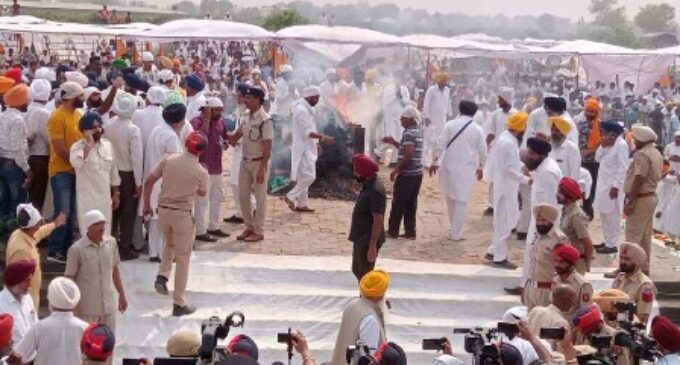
x,y
553,315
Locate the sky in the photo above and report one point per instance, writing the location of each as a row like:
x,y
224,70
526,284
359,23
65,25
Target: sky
x,y
573,9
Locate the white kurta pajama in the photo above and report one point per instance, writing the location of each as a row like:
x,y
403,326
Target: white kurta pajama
x,y
505,173
304,153
458,164
568,157
436,108
95,175
390,125
613,162
495,124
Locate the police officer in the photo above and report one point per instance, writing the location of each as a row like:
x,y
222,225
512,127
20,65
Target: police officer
x,y
633,281
256,130
574,222
183,178
565,258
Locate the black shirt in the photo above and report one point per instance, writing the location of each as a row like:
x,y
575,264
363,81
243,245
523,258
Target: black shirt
x,y
372,200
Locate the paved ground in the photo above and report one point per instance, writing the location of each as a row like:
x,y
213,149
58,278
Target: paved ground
x,y
325,232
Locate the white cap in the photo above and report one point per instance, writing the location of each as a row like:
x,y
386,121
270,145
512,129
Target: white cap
x,y
165,75
410,111
125,104
155,95
70,90
517,313
93,216
285,68
88,91
147,57
214,102
63,293
40,89
77,77
310,91
256,71
33,214
45,73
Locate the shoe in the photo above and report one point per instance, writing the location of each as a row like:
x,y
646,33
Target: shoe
x,y
412,238
304,210
254,237
392,235
233,219
57,257
518,290
127,254
488,257
161,285
206,238
513,231
606,250
218,233
155,259
612,275
599,246
521,236
244,235
505,264
288,202
488,212
178,311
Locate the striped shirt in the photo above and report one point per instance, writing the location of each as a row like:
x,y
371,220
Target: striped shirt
x,y
412,136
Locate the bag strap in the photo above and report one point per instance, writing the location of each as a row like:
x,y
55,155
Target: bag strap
x,y
458,134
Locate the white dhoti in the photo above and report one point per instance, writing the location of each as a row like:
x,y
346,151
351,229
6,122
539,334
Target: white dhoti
x,y
457,211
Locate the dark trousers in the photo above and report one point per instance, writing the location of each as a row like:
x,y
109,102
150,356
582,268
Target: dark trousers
x,y
12,193
593,168
405,204
360,264
38,186
64,199
124,217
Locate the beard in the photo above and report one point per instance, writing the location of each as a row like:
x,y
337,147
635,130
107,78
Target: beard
x,y
533,164
78,104
360,179
543,229
628,269
561,270
96,104
97,136
520,137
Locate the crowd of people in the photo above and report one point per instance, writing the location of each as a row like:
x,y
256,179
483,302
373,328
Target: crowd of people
x,y
133,153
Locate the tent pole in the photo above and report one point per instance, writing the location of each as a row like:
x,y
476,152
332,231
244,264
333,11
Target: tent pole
x,y
578,69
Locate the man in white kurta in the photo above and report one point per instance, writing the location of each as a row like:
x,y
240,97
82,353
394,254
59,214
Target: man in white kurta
x,y
195,96
304,149
458,162
285,94
436,111
613,157
564,151
390,126
494,127
97,178
505,173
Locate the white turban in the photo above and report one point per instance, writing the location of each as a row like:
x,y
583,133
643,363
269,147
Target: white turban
x,y
514,314
286,68
40,89
410,111
45,73
88,91
63,294
214,102
256,71
311,91
125,104
147,57
77,77
33,213
506,94
447,360
156,94
165,75
92,217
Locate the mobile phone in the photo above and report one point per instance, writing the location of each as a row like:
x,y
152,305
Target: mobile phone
x,y
433,343
508,328
284,338
130,362
552,333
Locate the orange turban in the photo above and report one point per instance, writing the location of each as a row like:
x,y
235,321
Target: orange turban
x,y
5,84
517,121
374,284
593,105
17,96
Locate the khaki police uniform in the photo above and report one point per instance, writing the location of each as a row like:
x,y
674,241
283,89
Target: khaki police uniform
x,y
256,128
538,287
647,163
622,354
547,317
182,176
574,224
640,288
582,288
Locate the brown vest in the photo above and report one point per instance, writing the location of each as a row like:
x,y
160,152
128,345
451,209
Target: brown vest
x,y
349,327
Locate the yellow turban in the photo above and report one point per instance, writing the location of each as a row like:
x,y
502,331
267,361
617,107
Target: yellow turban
x,y
518,122
183,343
634,252
532,100
371,74
561,124
165,62
17,96
441,76
606,299
374,284
6,83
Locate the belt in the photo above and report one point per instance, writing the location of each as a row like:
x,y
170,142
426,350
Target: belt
x,y
246,159
170,208
644,195
541,284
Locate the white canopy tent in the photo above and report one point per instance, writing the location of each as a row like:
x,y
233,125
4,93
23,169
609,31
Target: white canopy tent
x,y
184,29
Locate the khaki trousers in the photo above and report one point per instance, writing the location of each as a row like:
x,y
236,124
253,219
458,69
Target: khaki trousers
x,y
639,226
178,231
535,297
247,184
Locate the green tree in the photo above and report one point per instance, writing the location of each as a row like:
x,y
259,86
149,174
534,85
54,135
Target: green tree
x,y
283,19
186,7
607,13
654,18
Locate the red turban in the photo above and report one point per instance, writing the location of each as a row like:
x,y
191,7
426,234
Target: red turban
x,y
6,323
364,166
18,272
567,253
14,73
666,333
570,189
98,341
587,319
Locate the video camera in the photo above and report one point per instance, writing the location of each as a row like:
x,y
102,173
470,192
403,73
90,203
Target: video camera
x,y
480,344
603,356
633,334
359,354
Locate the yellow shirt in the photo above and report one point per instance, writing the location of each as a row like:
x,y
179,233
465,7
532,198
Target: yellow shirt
x,y
63,125
24,247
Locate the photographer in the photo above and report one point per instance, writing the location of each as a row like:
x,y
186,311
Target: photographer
x,y
544,355
517,315
447,357
300,345
667,336
605,299
590,326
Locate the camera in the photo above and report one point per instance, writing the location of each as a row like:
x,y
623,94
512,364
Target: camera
x,y
552,333
359,354
433,344
480,345
509,329
640,345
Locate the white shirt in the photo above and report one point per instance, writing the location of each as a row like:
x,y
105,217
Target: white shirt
x,y
54,341
303,147
498,122
614,161
194,105
22,311
13,135
126,139
150,76
284,98
36,125
568,157
147,120
546,180
673,149
437,105
369,332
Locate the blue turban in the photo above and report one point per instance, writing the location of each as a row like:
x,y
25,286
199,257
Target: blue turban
x,y
195,82
87,121
242,88
133,81
611,126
